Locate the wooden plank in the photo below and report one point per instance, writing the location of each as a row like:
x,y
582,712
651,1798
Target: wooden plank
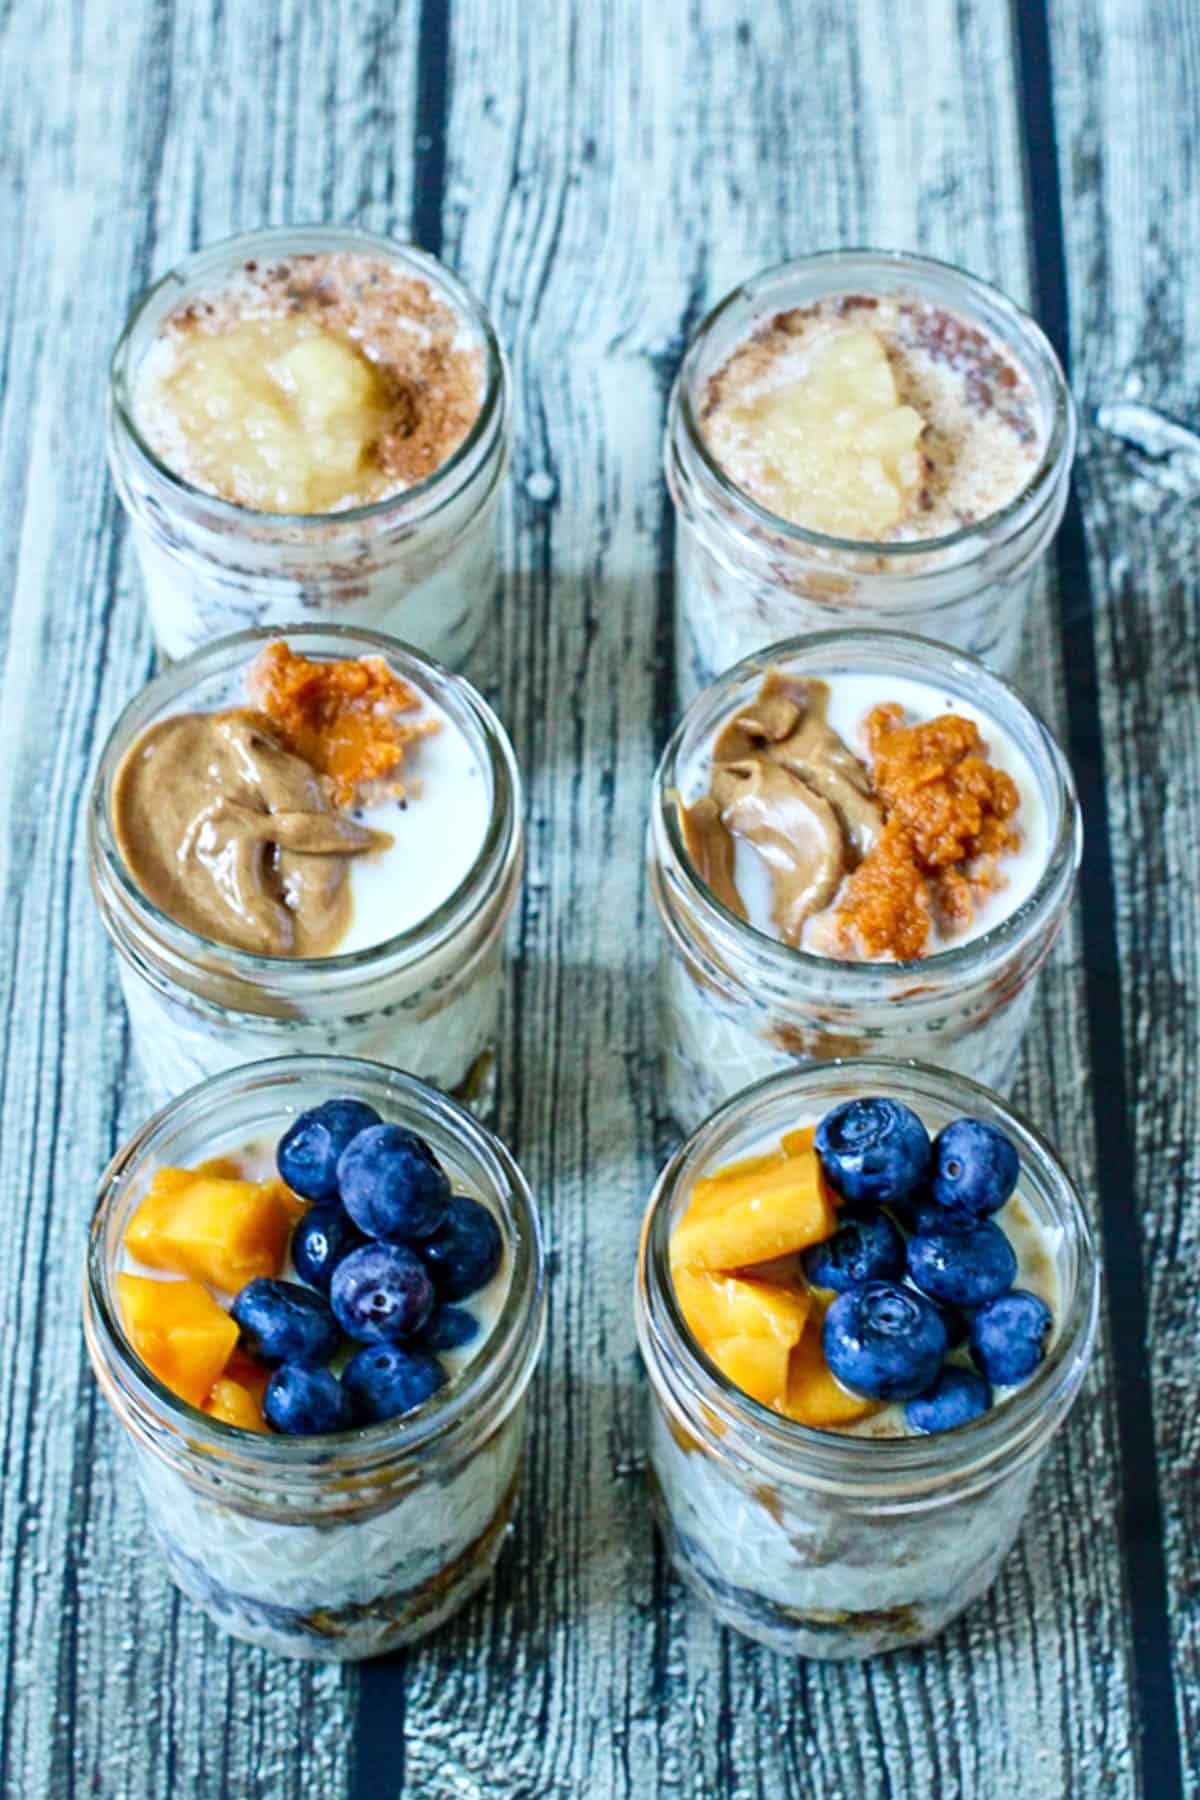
x,y
1132,212
132,134
636,173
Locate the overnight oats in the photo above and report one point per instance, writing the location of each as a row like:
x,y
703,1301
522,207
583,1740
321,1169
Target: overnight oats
x,y
864,439
858,842
312,423
308,844
866,1301
315,1298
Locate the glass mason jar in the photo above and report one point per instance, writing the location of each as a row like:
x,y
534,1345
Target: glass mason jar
x,y
356,1542
420,565
426,1000
745,578
737,1005
819,1543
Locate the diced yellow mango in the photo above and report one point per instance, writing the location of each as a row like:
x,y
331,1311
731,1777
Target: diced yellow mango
x,y
225,1168
756,1365
814,1396
212,1228
799,1142
710,1193
753,1216
726,1306
179,1331
248,1374
235,1405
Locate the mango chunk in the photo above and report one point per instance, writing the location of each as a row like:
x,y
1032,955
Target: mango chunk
x,y
756,1365
248,1374
727,1306
742,1218
234,1404
212,1227
799,1142
179,1331
814,1397
710,1193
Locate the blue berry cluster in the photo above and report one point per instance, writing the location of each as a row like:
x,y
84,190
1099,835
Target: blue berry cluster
x,y
386,1251
918,1266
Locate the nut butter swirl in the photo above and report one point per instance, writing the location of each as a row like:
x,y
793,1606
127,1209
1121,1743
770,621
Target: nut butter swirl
x,y
233,836
783,781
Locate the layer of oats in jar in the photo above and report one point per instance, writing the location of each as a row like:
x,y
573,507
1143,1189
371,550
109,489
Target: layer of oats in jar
x,y
859,842
319,1336
864,439
312,424
860,1333
313,852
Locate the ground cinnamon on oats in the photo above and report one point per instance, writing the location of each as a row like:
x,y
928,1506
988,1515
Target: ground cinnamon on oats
x,y
343,718
948,813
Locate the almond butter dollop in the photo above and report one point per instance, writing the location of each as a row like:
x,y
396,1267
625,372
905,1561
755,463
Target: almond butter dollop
x,y
234,823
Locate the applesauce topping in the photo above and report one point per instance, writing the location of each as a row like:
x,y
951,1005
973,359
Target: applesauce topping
x,y
312,385
874,418
237,824
862,863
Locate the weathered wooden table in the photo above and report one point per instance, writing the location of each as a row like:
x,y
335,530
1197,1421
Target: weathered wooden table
x,y
601,173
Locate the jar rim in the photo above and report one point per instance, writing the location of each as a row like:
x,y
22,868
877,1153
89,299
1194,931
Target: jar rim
x,y
1062,860
249,1452
210,659
1060,437
431,488
807,1453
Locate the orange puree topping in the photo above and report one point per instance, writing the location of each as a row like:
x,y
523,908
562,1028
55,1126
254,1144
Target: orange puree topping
x,y
343,718
947,814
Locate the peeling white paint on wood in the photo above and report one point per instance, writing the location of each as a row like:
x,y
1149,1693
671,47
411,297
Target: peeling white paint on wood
x,y
611,170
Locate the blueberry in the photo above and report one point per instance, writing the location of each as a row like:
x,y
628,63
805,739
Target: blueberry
x,y
308,1152
449,1328
884,1341
975,1167
956,1323
865,1247
1008,1336
464,1252
961,1268
322,1238
282,1322
392,1185
385,1381
957,1396
303,1401
381,1294
922,1215
873,1151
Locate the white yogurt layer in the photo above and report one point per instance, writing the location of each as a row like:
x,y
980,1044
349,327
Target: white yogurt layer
x,y
437,830
852,696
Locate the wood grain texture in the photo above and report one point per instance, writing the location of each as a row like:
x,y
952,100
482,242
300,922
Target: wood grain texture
x,y
608,172
1133,263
